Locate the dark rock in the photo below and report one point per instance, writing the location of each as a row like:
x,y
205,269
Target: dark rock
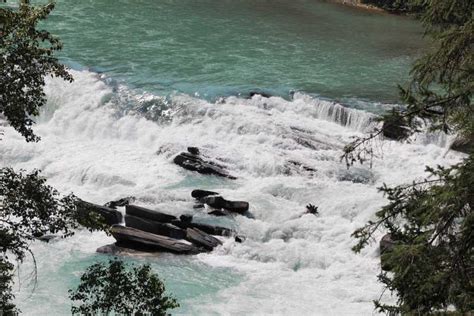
x,y
111,216
193,150
386,243
199,194
212,230
202,239
142,212
395,128
386,246
464,145
198,206
186,218
47,238
164,229
121,202
195,163
116,250
240,238
139,240
219,202
260,93
300,166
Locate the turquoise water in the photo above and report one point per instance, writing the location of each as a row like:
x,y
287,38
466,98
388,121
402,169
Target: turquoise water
x,y
134,53
219,48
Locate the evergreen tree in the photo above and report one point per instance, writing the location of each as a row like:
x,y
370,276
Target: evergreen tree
x,y
431,222
120,289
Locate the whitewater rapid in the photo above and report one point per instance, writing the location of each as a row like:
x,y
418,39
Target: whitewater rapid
x,y
103,141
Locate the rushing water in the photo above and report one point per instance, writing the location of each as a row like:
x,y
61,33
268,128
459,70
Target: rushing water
x,y
153,77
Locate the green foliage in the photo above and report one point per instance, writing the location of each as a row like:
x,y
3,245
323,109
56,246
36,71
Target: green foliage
x,y
26,58
121,289
432,221
29,208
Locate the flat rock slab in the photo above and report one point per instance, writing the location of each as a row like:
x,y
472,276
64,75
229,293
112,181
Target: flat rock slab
x,y
209,229
193,162
202,239
149,226
142,212
139,240
110,215
116,250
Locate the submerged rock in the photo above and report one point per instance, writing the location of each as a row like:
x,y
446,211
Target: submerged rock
x,y
142,212
193,162
240,238
146,225
116,250
259,93
110,215
386,246
202,239
139,240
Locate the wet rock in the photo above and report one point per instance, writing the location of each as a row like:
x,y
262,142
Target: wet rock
x,y
120,202
193,150
47,238
116,250
240,238
142,212
110,215
192,162
260,93
164,229
386,246
139,240
219,202
186,222
199,194
202,239
219,212
395,128
463,144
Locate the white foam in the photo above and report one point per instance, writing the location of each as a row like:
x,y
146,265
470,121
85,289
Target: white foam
x,y
94,145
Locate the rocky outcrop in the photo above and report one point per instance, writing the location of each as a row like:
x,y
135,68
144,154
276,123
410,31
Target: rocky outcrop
x,y
199,194
142,212
463,144
192,161
110,215
139,240
395,128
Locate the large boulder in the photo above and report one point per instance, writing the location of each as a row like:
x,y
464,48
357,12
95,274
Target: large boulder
x,y
463,144
194,162
395,127
202,239
110,215
139,240
164,229
142,212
